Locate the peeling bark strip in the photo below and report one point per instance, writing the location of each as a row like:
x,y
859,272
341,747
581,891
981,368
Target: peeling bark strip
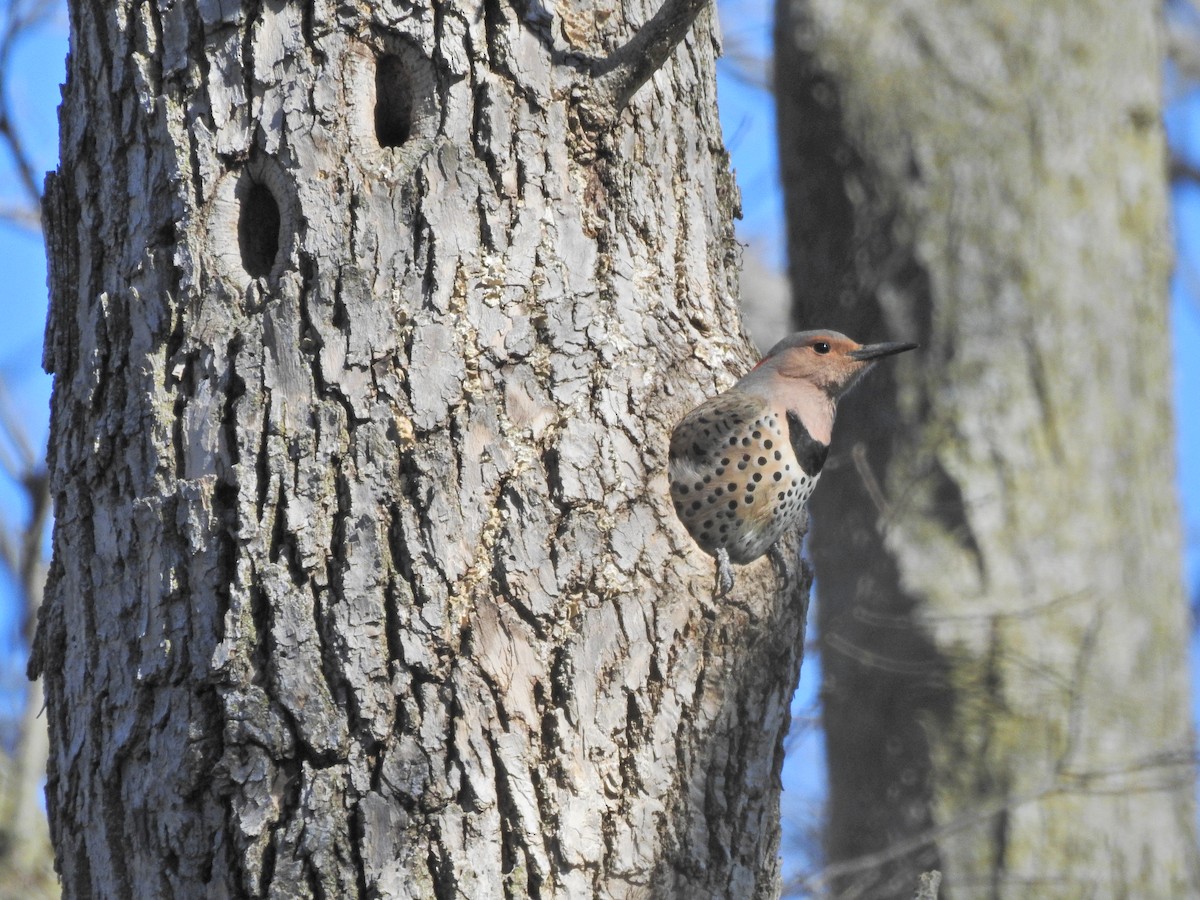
x,y
365,581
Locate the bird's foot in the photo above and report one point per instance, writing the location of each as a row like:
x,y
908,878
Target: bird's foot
x,y
724,573
779,556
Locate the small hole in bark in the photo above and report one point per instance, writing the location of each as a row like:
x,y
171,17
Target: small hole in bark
x,y
258,230
252,222
393,101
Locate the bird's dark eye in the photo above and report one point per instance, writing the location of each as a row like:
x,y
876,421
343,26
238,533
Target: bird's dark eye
x,y
821,346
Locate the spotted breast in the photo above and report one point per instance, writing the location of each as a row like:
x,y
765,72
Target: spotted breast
x,y
739,475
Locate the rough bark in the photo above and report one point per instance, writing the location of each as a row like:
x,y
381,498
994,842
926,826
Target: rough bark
x,y
366,348
1006,692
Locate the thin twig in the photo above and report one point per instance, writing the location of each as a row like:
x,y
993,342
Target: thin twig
x,y
10,557
21,215
1056,785
16,434
870,482
1184,170
742,64
1183,44
20,18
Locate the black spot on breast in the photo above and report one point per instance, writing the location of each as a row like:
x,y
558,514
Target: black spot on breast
x,y
809,451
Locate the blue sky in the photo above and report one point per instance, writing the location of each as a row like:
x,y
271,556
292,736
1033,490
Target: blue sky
x,y
38,66
1183,130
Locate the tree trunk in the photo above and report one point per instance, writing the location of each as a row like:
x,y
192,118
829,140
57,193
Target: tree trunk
x,y
368,331
1006,691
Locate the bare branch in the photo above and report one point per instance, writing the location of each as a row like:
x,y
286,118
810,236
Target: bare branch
x,y
20,18
11,427
870,482
743,64
21,215
1182,170
1183,39
15,147
21,548
8,465
816,882
10,556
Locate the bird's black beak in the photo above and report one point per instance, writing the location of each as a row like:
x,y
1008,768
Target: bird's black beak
x,y
875,351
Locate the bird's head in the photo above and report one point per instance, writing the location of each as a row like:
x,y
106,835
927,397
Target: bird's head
x,y
825,359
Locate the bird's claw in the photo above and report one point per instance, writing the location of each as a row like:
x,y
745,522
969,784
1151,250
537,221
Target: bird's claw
x,y
724,573
777,556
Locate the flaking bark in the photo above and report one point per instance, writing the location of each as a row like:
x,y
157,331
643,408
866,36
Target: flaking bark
x,y
365,581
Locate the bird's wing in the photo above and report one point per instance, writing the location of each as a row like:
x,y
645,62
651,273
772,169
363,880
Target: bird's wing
x,y
721,454
711,428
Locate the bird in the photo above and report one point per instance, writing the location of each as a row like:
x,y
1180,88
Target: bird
x,y
743,464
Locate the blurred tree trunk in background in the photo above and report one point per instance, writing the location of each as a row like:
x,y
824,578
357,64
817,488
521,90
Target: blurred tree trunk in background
x,y
997,545
369,324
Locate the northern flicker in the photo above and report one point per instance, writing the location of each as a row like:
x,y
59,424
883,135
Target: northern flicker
x,y
743,464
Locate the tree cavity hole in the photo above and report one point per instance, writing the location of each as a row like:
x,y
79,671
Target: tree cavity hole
x,y
393,101
258,230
